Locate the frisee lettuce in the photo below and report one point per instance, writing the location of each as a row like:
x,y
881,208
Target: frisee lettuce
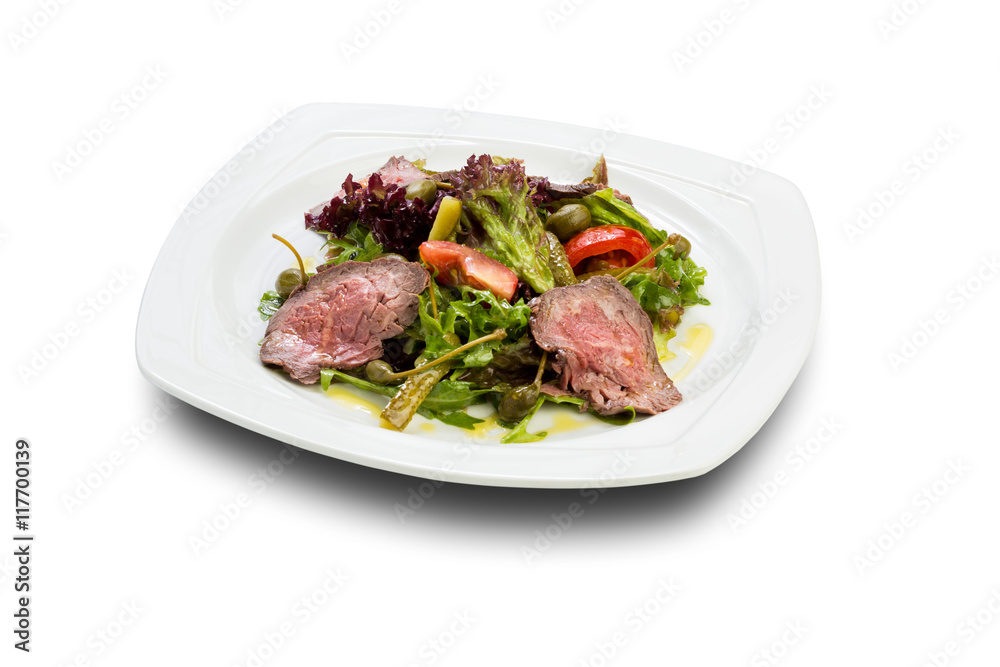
x,y
473,314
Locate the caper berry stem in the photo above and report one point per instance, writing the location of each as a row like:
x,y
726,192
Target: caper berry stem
x,y
541,368
302,266
499,334
518,402
434,303
656,251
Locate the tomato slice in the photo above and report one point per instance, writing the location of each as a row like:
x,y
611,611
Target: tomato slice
x,y
623,246
457,264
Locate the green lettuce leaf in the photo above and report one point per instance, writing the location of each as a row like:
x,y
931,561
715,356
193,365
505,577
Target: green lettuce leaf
x,y
475,313
676,281
606,209
357,244
519,433
446,401
270,302
496,193
627,416
459,419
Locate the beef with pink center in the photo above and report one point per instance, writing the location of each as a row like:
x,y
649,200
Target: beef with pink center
x,y
340,318
603,348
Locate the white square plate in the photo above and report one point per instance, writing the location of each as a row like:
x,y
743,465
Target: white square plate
x,y
198,329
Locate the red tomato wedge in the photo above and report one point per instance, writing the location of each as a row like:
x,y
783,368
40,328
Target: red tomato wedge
x,y
457,264
623,246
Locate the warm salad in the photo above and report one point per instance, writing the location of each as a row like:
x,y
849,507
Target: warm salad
x,y
483,284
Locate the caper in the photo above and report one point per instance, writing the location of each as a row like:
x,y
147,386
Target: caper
x,y
424,188
379,372
287,281
518,402
682,247
568,221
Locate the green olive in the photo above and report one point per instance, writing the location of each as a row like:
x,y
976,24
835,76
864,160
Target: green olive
x,y
390,254
568,221
379,372
518,402
424,188
287,281
682,247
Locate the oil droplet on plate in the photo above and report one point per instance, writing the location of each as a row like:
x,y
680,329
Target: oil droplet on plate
x,y
350,400
562,423
488,428
695,344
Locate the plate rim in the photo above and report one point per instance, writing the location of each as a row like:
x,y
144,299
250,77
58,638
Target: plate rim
x,y
763,184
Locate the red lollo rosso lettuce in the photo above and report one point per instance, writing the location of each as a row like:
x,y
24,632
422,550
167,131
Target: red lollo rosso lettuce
x,y
539,186
397,223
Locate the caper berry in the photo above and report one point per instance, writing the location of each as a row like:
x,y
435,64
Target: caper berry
x,y
568,221
424,188
287,281
682,247
518,402
379,372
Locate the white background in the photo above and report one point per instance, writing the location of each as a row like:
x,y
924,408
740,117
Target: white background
x,y
827,553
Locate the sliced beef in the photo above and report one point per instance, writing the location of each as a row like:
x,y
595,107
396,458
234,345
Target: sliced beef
x,y
400,171
571,190
577,190
596,181
340,318
603,346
